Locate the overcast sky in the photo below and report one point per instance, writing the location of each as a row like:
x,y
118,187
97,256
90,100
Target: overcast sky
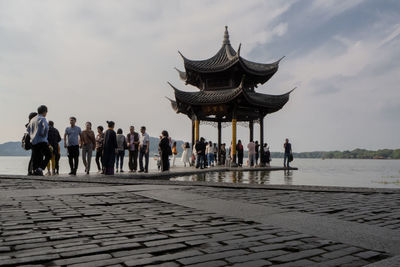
x,y
111,60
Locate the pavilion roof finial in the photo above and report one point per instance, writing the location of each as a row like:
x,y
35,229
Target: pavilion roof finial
x,y
226,36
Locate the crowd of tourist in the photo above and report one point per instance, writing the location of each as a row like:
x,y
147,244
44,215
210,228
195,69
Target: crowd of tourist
x,y
206,154
110,147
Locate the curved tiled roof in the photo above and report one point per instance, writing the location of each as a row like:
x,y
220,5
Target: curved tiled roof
x,y
225,58
270,102
206,97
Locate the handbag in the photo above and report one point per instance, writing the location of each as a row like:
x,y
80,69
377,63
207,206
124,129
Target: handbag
x,y
290,157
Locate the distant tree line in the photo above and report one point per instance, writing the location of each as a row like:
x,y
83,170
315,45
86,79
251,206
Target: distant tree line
x,y
347,154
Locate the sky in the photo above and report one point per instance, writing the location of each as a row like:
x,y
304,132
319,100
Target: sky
x,y
111,60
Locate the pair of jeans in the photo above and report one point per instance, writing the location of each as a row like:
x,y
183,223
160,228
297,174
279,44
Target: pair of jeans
x,y
252,159
99,158
210,158
200,161
132,160
41,155
119,158
286,160
87,155
142,153
73,158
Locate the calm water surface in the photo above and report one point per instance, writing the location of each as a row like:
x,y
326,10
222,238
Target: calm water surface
x,y
333,172
330,172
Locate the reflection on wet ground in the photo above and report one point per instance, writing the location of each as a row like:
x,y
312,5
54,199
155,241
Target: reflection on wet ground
x,y
251,177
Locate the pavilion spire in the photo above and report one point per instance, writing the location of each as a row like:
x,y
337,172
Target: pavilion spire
x,y
226,37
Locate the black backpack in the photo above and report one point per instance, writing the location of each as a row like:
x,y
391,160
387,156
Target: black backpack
x,y
26,142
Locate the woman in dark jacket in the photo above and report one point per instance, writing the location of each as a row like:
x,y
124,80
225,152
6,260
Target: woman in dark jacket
x,y
240,153
164,149
110,145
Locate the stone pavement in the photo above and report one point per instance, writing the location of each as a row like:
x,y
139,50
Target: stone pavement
x,y
60,221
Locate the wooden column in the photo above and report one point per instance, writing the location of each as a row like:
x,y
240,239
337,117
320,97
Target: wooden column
x,y
219,142
196,130
251,127
193,141
234,141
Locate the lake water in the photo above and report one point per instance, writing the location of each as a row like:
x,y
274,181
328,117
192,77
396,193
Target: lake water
x,y
329,172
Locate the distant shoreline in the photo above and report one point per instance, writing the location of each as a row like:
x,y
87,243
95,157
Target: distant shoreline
x,y
14,149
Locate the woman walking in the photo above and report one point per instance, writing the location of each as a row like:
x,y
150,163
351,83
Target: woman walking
x,y
120,153
185,154
88,144
110,145
165,150
99,149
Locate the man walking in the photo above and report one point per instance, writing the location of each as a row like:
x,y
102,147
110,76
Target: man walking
x,y
201,153
38,131
144,146
288,150
72,137
88,144
133,148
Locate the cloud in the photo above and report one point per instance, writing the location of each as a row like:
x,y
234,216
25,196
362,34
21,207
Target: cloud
x,y
103,60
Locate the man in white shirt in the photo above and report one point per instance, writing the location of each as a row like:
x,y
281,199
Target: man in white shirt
x,y
144,146
252,153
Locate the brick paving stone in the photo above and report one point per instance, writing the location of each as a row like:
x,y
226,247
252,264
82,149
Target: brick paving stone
x,y
100,249
208,264
174,240
297,255
286,238
257,256
212,256
31,259
225,238
138,239
5,249
82,259
166,257
249,239
206,231
336,247
338,262
340,253
299,263
112,261
218,248
366,255
268,247
154,250
257,263
165,264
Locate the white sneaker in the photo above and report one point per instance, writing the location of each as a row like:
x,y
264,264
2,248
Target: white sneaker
x,y
48,173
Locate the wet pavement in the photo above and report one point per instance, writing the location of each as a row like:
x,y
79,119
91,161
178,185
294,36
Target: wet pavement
x,y
115,221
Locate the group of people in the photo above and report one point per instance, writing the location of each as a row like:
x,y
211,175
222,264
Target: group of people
x,y
43,139
110,146
206,154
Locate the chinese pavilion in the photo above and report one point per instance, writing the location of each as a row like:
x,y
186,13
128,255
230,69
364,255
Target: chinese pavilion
x,y
226,84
